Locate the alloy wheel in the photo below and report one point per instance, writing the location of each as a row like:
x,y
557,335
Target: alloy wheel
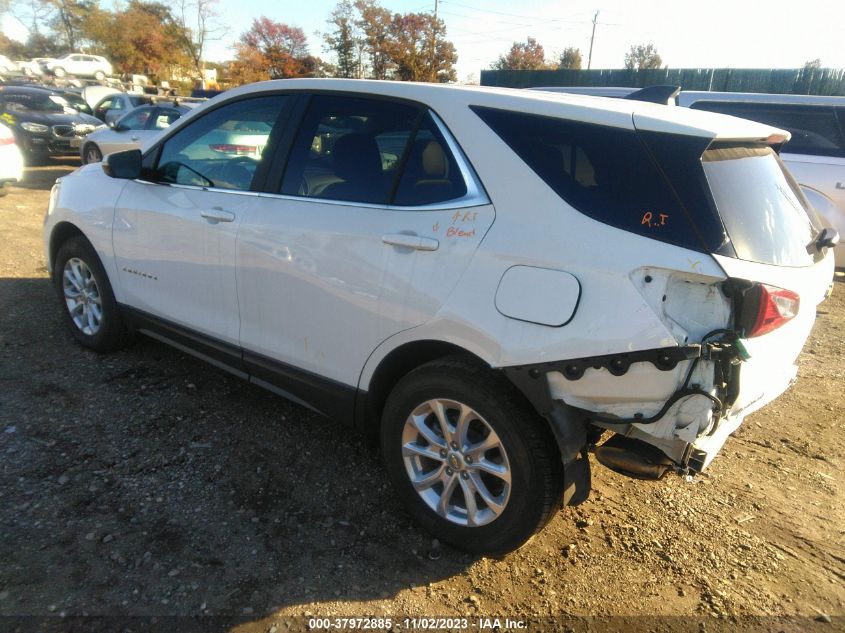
x,y
82,296
456,462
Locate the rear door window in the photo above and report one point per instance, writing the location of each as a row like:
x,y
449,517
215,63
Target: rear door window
x,y
372,151
349,149
815,129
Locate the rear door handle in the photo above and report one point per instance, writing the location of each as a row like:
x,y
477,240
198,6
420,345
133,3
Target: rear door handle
x,y
218,215
134,138
411,241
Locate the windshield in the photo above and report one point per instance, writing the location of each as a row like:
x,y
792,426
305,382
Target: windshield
x,y
35,102
763,210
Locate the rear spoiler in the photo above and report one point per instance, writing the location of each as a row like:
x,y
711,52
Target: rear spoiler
x,y
664,95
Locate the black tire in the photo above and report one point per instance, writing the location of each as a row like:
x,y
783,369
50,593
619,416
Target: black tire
x,y
111,334
535,464
91,154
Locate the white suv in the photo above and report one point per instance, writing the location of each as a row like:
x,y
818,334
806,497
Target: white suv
x,y
490,281
81,65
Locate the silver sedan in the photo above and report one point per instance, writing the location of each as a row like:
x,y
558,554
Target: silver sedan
x,y
130,131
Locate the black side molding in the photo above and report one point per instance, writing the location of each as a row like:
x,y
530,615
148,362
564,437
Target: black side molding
x,y
328,397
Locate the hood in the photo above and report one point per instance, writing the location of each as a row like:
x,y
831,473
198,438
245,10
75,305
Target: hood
x,y
56,118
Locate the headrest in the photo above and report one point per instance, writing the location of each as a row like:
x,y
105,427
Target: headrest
x,y
434,160
356,157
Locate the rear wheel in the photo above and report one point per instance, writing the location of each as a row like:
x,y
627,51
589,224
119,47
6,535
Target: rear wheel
x,y
99,75
91,154
59,72
89,306
469,457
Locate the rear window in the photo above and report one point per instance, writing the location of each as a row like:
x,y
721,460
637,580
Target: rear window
x,y
603,172
765,214
815,129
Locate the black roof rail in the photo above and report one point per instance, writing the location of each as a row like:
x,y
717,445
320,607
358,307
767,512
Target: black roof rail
x,y
656,94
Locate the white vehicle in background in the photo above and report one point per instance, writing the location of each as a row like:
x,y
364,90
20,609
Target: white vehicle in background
x,y
7,65
11,160
487,280
29,68
130,132
816,153
81,65
94,94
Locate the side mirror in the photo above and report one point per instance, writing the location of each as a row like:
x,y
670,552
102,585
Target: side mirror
x,y
112,124
828,238
125,164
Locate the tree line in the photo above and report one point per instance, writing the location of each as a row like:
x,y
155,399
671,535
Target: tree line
x,y
363,39
530,55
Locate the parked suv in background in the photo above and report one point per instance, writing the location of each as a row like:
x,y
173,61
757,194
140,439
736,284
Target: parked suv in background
x,y
487,280
112,107
44,124
81,65
816,152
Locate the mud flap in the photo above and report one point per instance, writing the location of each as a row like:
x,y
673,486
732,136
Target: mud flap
x,y
571,436
569,429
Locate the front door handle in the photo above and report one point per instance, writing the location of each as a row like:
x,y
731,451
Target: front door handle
x,y
218,215
134,138
411,241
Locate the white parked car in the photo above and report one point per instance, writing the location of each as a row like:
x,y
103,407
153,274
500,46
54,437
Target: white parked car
x,y
132,131
490,281
11,159
81,65
7,65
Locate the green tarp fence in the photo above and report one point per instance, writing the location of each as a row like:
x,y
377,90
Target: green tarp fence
x,y
805,81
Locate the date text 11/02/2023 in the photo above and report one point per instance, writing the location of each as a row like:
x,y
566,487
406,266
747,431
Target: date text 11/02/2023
x,y
416,624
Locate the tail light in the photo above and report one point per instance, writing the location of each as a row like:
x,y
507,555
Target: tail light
x,y
236,150
776,306
7,140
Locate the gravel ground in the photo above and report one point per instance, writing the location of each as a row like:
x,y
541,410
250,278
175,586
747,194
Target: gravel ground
x,y
146,483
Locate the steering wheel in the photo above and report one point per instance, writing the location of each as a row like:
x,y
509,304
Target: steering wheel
x,y
238,172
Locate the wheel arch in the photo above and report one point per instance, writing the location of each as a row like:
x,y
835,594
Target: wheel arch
x,y
60,234
394,366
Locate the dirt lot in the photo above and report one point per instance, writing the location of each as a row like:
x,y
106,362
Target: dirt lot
x,y
147,483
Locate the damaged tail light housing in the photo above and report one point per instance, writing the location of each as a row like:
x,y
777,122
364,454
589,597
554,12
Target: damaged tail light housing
x,y
775,307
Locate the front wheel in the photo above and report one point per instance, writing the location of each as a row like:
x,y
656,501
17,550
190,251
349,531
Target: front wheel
x,y
59,72
99,75
89,306
91,154
469,457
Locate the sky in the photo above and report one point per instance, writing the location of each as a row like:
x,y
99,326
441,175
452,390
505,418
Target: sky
x,y
717,33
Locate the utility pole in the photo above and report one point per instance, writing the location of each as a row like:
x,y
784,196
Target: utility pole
x,y
592,37
433,78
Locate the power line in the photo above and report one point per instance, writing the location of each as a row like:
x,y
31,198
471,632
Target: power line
x,y
513,15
